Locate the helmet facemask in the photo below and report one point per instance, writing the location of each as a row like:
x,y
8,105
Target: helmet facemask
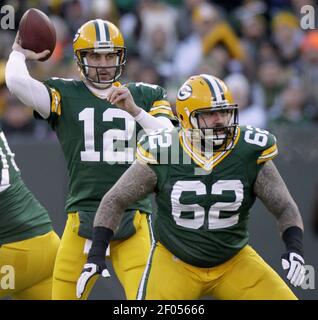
x,y
118,66
218,137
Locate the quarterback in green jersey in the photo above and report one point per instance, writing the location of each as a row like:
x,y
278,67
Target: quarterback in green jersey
x,y
97,121
206,176
28,244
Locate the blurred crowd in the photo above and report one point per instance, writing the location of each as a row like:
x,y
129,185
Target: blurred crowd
x,y
256,47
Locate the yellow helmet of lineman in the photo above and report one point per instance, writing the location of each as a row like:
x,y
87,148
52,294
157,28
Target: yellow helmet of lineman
x,y
100,36
205,93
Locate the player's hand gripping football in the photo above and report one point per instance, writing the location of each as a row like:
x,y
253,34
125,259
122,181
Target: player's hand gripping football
x,y
294,264
29,54
95,265
122,98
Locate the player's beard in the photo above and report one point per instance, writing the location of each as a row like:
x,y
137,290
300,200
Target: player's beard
x,y
104,75
199,143
209,141
99,75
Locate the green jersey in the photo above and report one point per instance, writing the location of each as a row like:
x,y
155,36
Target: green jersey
x,y
21,215
99,142
203,203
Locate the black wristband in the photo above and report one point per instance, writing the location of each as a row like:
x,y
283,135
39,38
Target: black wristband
x,y
101,239
293,239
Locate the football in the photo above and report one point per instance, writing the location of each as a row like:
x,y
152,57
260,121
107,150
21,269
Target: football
x,y
37,32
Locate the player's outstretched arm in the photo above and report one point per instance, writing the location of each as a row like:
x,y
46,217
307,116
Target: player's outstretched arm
x,y
29,91
272,190
136,183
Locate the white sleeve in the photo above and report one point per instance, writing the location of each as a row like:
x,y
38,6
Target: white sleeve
x,y
29,91
151,123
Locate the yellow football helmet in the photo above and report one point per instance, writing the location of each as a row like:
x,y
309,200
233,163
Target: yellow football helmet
x,y
100,36
202,94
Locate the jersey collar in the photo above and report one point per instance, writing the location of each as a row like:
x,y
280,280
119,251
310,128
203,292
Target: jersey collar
x,y
100,93
206,163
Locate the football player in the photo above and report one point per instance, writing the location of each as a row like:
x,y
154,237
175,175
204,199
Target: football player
x,y
206,177
97,121
28,244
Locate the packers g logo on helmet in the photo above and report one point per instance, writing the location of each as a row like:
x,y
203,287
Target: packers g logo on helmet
x,y
207,94
99,36
184,92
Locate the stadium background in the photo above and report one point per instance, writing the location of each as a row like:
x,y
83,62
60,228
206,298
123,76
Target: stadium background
x,y
258,47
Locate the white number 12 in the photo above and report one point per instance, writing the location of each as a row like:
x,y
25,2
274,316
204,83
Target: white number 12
x,y
109,137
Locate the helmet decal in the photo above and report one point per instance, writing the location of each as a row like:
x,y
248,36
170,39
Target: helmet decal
x,y
185,92
215,87
102,31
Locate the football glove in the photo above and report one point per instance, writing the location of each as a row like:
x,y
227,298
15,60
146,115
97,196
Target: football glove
x,y
96,259
90,269
295,265
293,260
